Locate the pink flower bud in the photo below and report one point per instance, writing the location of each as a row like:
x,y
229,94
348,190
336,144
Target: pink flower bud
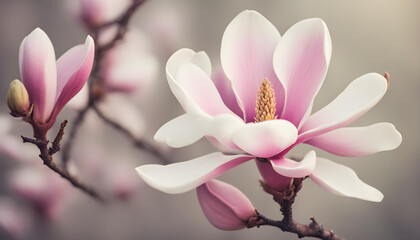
x,y
225,206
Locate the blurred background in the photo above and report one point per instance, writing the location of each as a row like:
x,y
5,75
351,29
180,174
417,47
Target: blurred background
x,y
367,36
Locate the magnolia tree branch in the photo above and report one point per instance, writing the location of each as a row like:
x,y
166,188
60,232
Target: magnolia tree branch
x,y
97,90
288,224
140,143
46,154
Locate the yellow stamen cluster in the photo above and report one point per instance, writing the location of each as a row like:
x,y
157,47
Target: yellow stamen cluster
x,y
266,102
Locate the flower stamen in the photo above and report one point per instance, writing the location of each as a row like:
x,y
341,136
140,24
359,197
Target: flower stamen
x,y
266,102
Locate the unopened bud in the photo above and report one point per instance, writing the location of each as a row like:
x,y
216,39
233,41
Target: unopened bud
x,y
18,99
225,206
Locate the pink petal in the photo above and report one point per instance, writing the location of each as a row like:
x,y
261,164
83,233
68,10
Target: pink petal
x,y
81,99
343,181
247,50
225,206
184,176
224,87
359,96
290,168
265,139
358,141
38,71
73,69
301,61
272,178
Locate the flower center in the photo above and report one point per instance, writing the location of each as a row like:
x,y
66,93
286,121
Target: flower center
x,y
266,102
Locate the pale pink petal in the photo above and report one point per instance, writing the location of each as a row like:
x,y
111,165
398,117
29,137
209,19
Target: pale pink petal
x,y
184,176
301,61
343,181
224,87
225,206
290,168
265,139
198,86
181,131
81,99
73,70
359,96
122,110
39,75
188,76
247,51
358,141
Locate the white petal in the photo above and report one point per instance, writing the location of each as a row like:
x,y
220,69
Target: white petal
x,y
189,128
359,96
265,139
291,168
181,131
343,181
184,176
358,141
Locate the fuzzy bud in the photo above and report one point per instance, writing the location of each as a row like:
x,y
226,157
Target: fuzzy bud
x,y
225,206
18,99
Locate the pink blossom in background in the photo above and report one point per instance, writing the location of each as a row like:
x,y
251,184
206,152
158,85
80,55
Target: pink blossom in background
x,y
130,66
97,12
295,65
50,83
43,189
225,206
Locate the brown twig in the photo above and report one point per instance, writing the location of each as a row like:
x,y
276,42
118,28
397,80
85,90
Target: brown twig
x,y
140,143
288,224
46,156
56,144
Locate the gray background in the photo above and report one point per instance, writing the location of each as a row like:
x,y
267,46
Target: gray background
x,y
367,36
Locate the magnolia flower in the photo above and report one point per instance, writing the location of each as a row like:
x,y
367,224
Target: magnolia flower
x,y
264,110
51,84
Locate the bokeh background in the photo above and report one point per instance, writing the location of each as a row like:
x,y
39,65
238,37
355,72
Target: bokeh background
x,y
367,36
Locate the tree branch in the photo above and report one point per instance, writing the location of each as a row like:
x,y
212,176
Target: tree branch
x,y
46,156
288,224
139,143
